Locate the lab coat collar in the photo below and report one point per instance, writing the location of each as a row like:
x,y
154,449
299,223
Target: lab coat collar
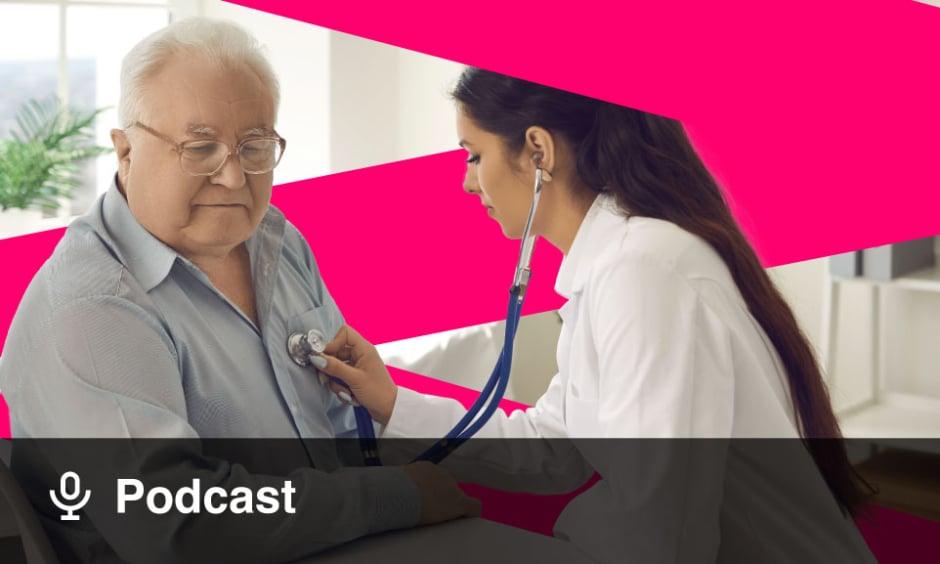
x,y
600,223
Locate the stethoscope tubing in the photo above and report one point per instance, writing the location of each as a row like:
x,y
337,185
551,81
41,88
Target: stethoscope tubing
x,y
495,388
490,395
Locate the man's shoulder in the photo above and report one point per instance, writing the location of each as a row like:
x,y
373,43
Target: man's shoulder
x,y
79,279
295,248
83,265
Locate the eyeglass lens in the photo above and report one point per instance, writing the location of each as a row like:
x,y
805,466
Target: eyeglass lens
x,y
206,157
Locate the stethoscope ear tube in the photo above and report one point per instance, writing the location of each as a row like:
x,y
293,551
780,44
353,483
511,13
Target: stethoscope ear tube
x,y
490,395
495,387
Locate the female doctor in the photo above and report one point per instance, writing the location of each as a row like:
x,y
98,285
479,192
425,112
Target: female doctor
x,y
672,329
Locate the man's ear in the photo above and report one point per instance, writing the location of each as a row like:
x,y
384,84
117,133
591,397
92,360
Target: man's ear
x,y
122,147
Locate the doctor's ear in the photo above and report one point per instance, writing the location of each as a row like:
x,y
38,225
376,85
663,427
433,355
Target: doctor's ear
x,y
537,159
540,145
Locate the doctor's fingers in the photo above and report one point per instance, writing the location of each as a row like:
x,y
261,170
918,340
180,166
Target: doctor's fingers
x,y
349,345
441,497
369,383
363,372
339,346
330,365
338,387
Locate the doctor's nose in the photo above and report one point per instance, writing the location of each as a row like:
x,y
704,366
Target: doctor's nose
x,y
471,184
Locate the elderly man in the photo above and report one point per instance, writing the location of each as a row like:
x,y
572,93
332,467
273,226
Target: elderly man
x,y
164,313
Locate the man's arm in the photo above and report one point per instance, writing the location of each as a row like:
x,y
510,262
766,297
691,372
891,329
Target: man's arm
x,y
112,371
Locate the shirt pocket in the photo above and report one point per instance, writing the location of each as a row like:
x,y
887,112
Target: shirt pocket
x,y
325,319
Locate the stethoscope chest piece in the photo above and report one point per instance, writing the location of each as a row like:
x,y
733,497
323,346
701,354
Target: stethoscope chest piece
x,y
301,345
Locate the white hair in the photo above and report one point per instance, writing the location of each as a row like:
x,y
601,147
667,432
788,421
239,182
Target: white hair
x,y
221,42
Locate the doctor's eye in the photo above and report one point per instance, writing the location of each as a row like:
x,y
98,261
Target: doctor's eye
x,y
474,159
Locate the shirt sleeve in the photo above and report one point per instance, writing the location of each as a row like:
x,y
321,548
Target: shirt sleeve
x,y
663,356
111,371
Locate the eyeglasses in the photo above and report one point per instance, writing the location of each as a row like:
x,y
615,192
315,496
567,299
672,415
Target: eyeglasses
x,y
257,155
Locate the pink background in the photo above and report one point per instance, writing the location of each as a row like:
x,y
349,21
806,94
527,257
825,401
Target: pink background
x,y
819,118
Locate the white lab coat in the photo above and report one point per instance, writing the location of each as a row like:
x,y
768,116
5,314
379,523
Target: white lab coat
x,y
658,343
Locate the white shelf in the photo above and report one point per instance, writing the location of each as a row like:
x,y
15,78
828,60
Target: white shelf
x,y
886,416
896,419
927,280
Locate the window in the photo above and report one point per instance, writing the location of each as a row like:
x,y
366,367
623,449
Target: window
x,y
72,49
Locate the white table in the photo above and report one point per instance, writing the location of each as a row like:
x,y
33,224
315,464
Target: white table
x,y
464,541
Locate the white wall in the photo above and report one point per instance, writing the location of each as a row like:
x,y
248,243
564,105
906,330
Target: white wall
x,y
300,54
346,102
363,102
426,118
386,103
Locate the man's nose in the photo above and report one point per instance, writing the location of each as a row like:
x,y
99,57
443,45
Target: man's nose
x,y
231,175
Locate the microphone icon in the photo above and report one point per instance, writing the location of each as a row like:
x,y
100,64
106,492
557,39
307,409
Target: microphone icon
x,y
71,495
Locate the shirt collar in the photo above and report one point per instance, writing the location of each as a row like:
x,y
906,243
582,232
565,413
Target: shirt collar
x,y
147,258
592,237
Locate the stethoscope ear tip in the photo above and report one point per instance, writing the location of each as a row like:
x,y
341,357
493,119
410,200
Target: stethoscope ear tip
x,y
543,174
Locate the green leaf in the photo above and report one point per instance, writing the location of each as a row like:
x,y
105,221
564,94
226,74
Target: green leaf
x,y
38,162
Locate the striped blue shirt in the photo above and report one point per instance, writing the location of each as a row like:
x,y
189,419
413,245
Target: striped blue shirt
x,y
119,336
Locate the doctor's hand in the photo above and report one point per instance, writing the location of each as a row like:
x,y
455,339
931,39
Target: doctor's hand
x,y
441,497
365,373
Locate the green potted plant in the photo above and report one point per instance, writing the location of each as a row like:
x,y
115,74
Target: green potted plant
x,y
38,162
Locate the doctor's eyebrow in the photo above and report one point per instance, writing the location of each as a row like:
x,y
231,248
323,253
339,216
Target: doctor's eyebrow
x,y
463,143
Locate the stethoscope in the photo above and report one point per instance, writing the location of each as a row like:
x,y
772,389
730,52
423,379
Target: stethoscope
x,y
303,346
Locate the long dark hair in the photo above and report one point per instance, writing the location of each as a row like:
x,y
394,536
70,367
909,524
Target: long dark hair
x,y
647,163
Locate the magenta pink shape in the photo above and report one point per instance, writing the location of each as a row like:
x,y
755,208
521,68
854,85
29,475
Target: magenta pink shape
x,y
819,118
